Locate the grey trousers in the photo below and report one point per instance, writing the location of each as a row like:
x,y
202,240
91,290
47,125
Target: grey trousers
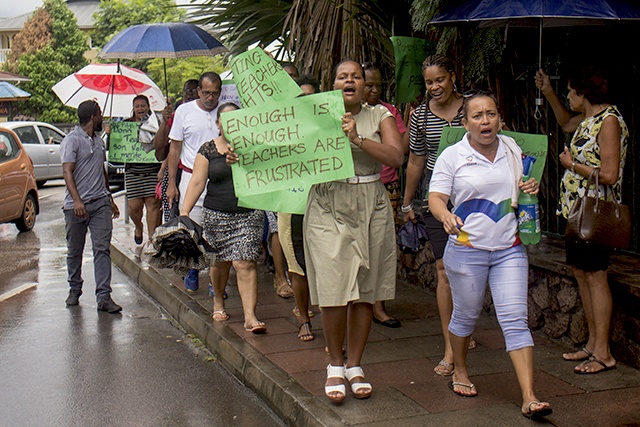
x,y
100,225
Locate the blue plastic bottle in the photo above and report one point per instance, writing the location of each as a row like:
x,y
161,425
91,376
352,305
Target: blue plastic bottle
x,y
528,210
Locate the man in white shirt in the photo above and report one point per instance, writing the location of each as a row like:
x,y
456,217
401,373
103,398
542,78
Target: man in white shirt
x,y
194,123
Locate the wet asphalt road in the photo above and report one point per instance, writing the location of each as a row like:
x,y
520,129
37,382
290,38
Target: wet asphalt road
x,y
75,366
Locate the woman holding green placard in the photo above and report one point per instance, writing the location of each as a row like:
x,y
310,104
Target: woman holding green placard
x,y
349,235
141,179
234,232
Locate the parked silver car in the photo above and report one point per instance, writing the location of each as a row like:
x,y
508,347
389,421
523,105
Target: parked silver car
x,y
42,143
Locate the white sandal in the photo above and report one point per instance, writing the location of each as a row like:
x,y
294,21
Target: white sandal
x,y
364,388
335,372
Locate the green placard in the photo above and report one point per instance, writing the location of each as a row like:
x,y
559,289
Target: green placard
x,y
291,200
530,144
288,144
260,79
124,146
409,53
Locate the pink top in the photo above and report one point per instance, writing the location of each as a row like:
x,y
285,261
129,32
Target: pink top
x,y
388,173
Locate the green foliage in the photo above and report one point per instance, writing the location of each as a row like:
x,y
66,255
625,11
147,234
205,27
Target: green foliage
x,y
181,70
483,55
68,40
244,22
478,51
45,68
59,55
116,15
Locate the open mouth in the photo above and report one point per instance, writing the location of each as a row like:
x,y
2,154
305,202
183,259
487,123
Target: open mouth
x,y
349,90
486,132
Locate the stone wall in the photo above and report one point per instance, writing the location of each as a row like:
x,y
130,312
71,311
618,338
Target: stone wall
x,y
555,308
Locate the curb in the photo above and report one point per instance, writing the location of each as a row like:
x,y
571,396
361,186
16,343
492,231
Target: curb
x,y
288,399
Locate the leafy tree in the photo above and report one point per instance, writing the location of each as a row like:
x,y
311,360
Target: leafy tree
x,y
181,70
316,33
116,15
49,47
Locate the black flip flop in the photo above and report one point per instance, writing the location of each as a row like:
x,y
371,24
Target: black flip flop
x,y
594,359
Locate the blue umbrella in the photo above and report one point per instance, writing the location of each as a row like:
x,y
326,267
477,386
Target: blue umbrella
x,y
542,13
162,40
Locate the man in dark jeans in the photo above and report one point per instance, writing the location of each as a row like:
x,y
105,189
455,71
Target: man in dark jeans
x,y
88,205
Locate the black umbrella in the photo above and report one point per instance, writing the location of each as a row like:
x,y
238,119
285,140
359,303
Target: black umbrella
x,y
179,243
537,13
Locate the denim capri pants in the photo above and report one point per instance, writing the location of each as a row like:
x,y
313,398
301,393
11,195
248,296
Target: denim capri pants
x,y
507,271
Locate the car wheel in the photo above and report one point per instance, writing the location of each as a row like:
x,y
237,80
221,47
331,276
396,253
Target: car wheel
x,y
28,218
40,184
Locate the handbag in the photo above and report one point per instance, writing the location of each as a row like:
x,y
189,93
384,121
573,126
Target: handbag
x,y
602,222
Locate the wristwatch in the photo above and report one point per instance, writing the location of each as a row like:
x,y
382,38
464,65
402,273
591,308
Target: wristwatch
x,y
361,138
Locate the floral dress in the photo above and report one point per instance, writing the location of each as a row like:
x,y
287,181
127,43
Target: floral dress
x,y
585,149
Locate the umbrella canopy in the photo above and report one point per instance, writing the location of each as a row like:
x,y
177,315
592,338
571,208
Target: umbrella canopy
x,y
162,40
539,13
552,13
112,86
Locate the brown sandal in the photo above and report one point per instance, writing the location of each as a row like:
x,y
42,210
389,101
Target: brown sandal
x,y
305,333
283,288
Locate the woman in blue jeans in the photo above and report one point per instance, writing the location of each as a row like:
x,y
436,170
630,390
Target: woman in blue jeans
x,y
482,176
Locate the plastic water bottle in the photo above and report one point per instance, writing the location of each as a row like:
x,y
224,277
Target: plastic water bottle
x,y
528,210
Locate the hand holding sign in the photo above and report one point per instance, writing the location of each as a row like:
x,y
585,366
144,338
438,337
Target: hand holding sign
x,y
260,79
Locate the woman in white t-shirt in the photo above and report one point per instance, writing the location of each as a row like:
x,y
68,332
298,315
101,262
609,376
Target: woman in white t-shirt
x,y
481,176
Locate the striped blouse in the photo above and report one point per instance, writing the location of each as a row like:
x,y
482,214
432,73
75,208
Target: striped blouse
x,y
425,131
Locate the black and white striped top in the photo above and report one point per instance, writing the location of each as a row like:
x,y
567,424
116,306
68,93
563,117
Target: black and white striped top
x,y
425,131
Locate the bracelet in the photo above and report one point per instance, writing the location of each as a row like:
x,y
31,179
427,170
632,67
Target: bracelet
x,y
573,166
361,139
406,209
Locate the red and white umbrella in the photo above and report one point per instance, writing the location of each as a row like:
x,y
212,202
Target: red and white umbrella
x,y
112,86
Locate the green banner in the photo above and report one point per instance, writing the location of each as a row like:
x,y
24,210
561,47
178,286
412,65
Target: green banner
x,y
530,144
291,200
409,53
260,79
292,143
124,146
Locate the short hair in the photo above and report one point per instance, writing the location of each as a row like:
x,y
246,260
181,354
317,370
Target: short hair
x,y
441,61
335,69
226,105
289,64
86,110
473,94
143,98
306,79
366,66
210,75
190,82
592,83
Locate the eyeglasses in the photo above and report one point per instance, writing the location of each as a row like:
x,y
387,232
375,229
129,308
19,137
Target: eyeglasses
x,y
207,94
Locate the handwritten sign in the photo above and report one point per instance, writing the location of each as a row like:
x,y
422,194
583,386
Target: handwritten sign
x,y
124,146
294,142
530,144
409,54
260,79
292,200
229,93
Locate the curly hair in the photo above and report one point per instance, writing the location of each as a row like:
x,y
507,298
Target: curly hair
x,y
592,83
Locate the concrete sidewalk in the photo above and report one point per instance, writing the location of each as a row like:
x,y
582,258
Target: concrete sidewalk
x,y
289,374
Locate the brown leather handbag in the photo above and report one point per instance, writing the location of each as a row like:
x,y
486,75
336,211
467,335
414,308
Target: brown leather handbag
x,y
598,221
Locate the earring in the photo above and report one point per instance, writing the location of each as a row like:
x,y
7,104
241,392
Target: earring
x,y
455,88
